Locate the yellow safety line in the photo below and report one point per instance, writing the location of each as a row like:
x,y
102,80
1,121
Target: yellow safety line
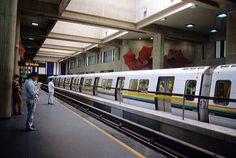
x,y
138,154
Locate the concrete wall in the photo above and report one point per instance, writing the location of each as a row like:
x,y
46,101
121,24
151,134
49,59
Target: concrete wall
x,y
188,49
116,9
115,65
191,50
209,51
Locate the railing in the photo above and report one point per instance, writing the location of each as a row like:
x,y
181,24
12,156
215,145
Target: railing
x,y
201,106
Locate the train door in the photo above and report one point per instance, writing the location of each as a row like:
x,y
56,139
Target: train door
x,y
71,82
165,84
81,84
119,85
77,85
95,88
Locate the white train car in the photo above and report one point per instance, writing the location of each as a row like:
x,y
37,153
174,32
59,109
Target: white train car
x,y
223,85
140,88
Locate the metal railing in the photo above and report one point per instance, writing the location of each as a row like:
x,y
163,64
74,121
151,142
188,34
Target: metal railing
x,y
181,96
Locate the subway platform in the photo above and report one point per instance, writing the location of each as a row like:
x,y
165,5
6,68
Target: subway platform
x,y
65,132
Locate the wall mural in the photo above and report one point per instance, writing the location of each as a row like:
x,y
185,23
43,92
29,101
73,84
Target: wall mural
x,y
175,59
144,61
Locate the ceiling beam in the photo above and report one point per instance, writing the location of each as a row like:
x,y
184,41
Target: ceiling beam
x,y
162,14
54,53
74,38
63,5
61,47
174,33
98,21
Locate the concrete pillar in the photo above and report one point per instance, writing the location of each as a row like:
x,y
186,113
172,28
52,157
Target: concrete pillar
x,y
231,38
17,46
158,51
8,15
124,49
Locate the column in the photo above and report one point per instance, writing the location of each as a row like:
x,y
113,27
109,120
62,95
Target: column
x,y
158,51
231,38
8,15
124,49
17,46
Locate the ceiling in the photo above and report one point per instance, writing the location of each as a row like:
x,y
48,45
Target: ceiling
x,y
69,27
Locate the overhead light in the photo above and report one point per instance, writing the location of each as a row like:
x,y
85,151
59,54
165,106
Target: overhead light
x,y
163,19
213,31
34,24
31,38
139,38
222,15
189,25
28,46
151,38
193,6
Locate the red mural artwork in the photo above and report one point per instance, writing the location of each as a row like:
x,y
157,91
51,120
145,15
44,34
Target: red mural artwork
x,y
175,59
143,61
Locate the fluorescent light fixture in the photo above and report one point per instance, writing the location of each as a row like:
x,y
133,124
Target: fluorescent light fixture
x,y
139,38
189,25
222,15
77,53
34,24
213,31
28,46
163,19
193,6
31,38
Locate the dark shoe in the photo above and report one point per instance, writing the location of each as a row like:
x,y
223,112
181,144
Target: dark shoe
x,y
32,126
30,129
15,113
21,113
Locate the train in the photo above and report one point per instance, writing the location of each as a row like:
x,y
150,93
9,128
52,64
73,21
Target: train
x,y
142,87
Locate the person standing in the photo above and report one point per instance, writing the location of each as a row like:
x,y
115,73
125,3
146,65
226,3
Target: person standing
x,y
50,91
16,96
31,95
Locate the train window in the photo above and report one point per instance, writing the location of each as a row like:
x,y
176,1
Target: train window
x,y
109,84
88,82
143,85
133,84
222,90
77,83
104,83
165,84
190,89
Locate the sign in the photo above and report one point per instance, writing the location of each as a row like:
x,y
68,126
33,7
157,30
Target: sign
x,y
30,63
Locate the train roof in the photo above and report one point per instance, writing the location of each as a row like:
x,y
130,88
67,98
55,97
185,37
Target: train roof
x,y
226,68
201,69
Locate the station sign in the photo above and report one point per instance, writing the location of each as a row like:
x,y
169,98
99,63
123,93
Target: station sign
x,y
30,63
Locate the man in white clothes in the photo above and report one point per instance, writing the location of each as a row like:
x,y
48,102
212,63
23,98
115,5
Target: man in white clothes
x,y
31,96
50,91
